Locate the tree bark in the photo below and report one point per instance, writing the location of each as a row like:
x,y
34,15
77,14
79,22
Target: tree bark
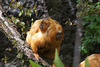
x,y
14,35
76,59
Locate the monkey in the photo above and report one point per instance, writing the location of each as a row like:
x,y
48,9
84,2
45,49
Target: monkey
x,y
44,36
94,61
36,27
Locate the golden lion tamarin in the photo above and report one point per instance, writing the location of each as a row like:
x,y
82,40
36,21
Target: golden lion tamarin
x,y
36,27
44,36
94,61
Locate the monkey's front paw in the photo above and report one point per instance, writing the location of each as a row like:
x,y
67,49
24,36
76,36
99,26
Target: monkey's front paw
x,y
36,56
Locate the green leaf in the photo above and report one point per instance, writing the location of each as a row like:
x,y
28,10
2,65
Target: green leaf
x,y
22,29
32,19
16,20
30,14
8,49
31,23
57,61
86,63
34,64
34,6
84,23
78,5
22,24
14,42
1,21
97,18
98,3
79,14
20,55
20,13
98,39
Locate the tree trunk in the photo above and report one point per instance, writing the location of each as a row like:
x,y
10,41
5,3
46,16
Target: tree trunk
x,y
76,59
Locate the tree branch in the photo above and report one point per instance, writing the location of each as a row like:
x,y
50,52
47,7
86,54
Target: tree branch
x,y
14,35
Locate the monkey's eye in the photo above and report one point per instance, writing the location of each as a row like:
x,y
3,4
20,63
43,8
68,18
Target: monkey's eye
x,y
41,26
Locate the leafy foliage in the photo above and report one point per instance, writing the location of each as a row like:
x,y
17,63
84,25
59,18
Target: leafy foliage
x,y
5,59
21,13
91,17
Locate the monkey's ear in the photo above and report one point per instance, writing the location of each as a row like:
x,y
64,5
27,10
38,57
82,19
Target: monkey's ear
x,y
41,24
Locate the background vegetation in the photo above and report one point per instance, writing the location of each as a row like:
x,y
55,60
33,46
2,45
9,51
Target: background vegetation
x,y
24,12
91,24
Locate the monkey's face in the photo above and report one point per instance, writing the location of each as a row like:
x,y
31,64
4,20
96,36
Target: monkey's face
x,y
58,35
59,32
55,32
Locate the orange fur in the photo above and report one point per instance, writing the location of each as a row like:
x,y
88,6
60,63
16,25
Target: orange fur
x,y
94,61
35,28
44,36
